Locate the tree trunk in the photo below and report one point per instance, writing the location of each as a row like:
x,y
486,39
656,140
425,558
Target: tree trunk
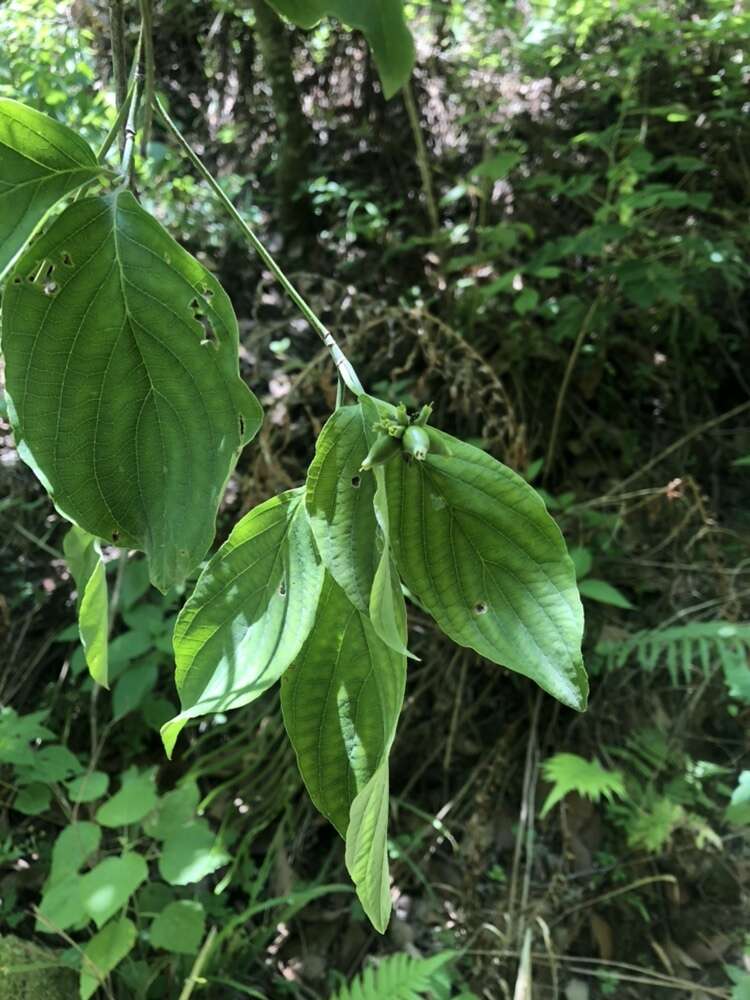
x,y
294,135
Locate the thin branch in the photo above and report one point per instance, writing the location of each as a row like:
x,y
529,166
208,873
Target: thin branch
x,y
423,161
343,366
149,86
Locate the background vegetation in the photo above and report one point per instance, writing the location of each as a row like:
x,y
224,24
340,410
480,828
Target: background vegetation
x,y
547,236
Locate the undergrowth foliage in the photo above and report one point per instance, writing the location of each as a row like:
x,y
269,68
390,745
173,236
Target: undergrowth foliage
x,y
123,389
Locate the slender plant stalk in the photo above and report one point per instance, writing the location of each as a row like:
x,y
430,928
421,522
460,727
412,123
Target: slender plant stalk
x,y
119,62
130,131
346,372
149,72
192,980
423,161
582,334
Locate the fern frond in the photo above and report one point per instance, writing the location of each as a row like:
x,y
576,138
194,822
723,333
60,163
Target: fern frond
x,y
683,649
568,772
397,977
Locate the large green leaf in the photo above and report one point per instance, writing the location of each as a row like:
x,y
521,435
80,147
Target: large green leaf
x,y
40,162
382,23
250,612
103,953
477,548
367,848
107,888
341,699
123,381
339,502
84,558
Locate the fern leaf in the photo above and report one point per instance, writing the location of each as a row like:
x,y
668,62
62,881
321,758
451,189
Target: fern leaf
x,y
397,977
568,772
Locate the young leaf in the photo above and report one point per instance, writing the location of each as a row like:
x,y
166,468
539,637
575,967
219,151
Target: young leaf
x,y
341,699
179,927
367,848
250,612
122,376
339,502
40,162
475,545
382,23
570,773
103,953
84,557
107,888
604,593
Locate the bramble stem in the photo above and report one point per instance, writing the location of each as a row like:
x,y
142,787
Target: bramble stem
x,y
343,366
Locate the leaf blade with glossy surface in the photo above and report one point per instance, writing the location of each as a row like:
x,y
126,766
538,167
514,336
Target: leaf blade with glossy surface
x,y
41,161
250,612
476,546
123,382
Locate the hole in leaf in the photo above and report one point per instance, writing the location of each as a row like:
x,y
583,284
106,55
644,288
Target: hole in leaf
x,y
18,280
480,608
209,335
282,589
206,291
67,259
115,536
356,480
242,426
50,288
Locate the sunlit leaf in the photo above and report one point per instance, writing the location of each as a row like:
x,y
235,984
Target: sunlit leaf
x,y
40,162
250,612
475,545
103,953
122,376
134,800
84,557
190,854
367,848
107,888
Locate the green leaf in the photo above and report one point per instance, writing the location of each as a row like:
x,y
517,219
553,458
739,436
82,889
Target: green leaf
x,y
107,888
33,799
61,906
135,799
131,689
74,846
88,787
174,811
250,612
40,162
498,167
582,562
103,953
339,502
179,927
84,557
398,977
341,699
604,593
367,848
475,545
50,764
122,377
190,854
738,811
569,773
382,23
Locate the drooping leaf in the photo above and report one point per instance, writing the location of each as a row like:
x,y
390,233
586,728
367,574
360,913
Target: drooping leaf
x,y
367,848
382,23
250,612
738,811
122,376
339,502
132,688
107,888
475,545
40,162
84,557
134,800
103,953
179,927
191,853
341,699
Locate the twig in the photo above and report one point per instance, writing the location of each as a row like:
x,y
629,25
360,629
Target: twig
x,y
119,62
423,161
343,366
149,82
582,334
